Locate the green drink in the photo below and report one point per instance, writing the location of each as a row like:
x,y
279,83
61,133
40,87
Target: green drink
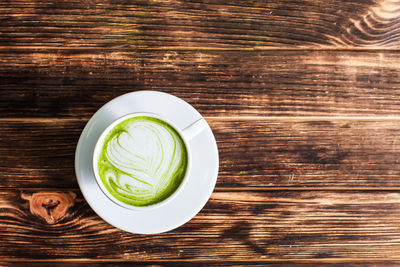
x,y
140,160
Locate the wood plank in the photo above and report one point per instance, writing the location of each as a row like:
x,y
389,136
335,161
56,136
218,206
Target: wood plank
x,y
233,226
254,154
215,23
217,83
324,153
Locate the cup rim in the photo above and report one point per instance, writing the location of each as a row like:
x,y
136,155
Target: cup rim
x,y
95,160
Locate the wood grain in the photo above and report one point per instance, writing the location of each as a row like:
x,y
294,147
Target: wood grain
x,y
198,24
217,83
303,98
50,206
234,226
254,154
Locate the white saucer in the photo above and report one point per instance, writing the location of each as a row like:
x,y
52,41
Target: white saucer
x,y
194,195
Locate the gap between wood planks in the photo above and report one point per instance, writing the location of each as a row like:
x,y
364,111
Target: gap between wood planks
x,y
240,189
244,118
179,48
254,261
249,118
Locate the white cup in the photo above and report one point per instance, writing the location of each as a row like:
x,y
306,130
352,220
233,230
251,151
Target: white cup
x,y
186,134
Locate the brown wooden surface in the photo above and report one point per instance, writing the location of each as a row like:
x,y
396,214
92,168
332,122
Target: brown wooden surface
x,y
197,24
218,83
233,226
303,98
254,154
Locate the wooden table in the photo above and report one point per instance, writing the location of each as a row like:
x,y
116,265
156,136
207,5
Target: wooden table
x,y
303,98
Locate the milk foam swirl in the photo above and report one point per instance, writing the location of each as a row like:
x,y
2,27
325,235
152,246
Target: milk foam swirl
x,y
143,161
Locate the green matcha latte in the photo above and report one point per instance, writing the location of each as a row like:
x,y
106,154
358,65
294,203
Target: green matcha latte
x,y
142,161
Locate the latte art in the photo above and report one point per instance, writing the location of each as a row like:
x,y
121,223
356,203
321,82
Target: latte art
x,y
143,160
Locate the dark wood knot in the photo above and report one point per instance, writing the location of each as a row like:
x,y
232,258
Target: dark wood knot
x,y
50,206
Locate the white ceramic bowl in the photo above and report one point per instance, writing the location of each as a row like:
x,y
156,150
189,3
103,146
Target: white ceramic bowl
x,y
199,184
